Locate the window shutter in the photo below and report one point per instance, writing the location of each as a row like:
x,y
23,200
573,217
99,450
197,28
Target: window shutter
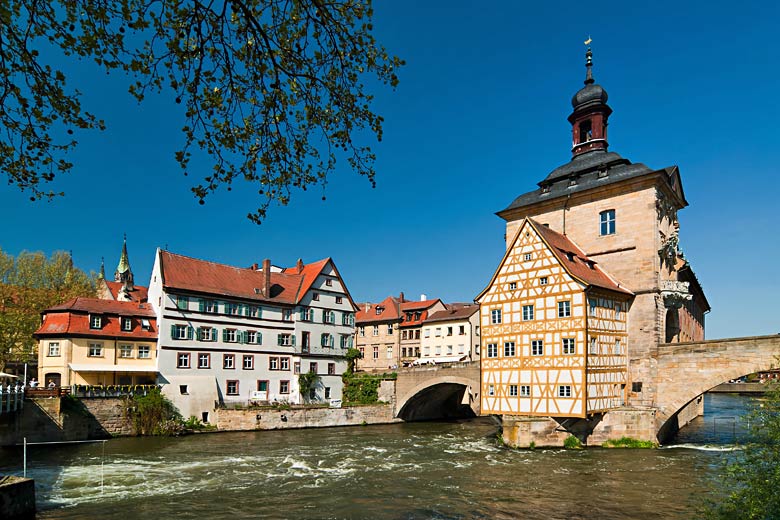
x,y
201,305
199,334
173,331
189,332
224,335
303,314
246,310
349,342
259,338
279,340
293,339
214,334
243,335
259,312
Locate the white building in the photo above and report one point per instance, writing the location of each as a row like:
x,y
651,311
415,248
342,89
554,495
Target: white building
x,y
230,334
451,335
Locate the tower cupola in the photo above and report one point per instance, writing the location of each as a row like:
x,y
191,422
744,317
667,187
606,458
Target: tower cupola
x,y
589,118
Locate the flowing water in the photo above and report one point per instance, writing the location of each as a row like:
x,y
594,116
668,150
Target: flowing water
x,y
436,470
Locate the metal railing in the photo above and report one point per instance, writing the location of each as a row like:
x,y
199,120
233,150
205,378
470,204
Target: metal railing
x,y
87,391
11,398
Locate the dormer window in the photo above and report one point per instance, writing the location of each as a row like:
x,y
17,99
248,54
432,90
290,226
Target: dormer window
x,y
545,189
127,324
570,256
379,310
572,182
602,173
145,324
95,321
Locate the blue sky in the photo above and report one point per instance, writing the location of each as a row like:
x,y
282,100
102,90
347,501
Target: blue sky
x,y
478,118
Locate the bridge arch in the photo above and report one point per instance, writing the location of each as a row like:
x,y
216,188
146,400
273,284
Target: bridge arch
x,y
688,370
425,393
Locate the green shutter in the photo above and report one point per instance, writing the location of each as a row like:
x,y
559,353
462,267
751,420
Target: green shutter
x,y
224,336
349,342
173,331
259,312
303,314
214,333
293,339
201,305
259,338
279,340
199,334
190,330
246,310
243,334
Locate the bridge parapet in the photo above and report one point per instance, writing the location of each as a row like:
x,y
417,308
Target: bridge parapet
x,y
456,376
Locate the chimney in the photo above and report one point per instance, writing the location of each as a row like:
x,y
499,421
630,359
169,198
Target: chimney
x,y
401,297
254,267
299,265
368,307
423,297
267,277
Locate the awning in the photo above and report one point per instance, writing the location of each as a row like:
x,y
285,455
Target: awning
x,y
88,367
439,359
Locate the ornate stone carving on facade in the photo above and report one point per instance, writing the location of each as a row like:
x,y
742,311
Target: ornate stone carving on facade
x,y
670,250
666,210
675,293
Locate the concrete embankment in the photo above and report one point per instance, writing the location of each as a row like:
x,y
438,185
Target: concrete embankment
x,y
17,498
274,419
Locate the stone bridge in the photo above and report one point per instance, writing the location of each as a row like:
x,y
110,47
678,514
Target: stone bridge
x,y
436,392
687,370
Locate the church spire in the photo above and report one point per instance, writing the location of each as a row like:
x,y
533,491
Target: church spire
x,y
123,272
102,273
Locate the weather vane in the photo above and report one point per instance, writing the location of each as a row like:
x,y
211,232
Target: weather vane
x,y
587,42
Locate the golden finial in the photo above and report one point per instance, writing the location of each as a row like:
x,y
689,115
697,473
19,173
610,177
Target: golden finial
x,y
587,42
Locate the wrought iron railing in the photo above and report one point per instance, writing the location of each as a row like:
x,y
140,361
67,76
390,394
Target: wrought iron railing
x,y
87,391
11,398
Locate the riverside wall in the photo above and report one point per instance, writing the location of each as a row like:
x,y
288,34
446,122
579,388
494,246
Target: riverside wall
x,y
275,419
17,498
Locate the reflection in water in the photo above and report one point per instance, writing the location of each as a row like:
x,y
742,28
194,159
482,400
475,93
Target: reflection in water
x,y
414,470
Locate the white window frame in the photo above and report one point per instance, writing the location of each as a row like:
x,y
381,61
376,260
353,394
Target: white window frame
x,y
568,346
564,309
528,312
376,330
492,350
607,222
95,321
495,316
144,351
537,347
564,391
94,349
513,391
125,351
509,349
127,325
525,390
54,349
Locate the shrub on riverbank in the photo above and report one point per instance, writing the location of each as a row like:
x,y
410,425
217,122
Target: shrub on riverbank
x,y
572,443
154,414
628,442
363,388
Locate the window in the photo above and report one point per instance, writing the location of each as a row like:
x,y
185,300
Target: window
x,y
461,330
618,309
285,340
416,334
252,336
95,350
232,387
543,280
144,351
594,348
231,308
376,353
461,348
95,322
328,317
512,286
54,349
618,348
331,369
326,340
329,282
307,314
182,302
180,332
145,324
376,330
528,312
438,350
249,362
348,319
527,256
273,363
495,316
525,390
228,361
362,331
509,349
204,360
125,351
564,309
327,392
537,347
339,299
607,221
209,306
492,350
512,390
229,335
449,331
183,390
315,297
636,386
183,360
284,387
287,315
207,334
438,331
491,390
313,367
564,391
592,306
569,346
389,328
255,312
389,352
284,364
346,341
127,324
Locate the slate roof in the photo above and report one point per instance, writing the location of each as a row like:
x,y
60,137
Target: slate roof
x,y
72,319
589,170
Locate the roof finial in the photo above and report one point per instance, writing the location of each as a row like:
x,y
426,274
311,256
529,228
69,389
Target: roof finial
x,y
102,273
588,62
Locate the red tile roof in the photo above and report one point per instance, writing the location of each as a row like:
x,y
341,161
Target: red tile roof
x,y
138,294
416,305
453,314
73,319
389,311
575,261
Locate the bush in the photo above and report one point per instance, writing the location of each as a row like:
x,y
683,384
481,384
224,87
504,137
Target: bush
x,y
154,414
628,442
572,443
360,389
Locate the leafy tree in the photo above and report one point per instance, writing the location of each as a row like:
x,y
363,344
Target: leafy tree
x,y
752,481
154,414
29,284
308,382
352,355
271,90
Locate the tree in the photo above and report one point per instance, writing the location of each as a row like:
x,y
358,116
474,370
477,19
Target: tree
x,y
271,90
352,355
29,284
306,383
752,481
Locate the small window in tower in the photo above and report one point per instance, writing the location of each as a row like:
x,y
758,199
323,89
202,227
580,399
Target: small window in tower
x,y
586,131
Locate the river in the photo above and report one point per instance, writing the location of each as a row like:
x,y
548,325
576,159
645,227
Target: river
x,y
438,470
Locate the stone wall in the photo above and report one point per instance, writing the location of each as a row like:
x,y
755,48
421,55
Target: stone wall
x,y
270,419
17,498
110,413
